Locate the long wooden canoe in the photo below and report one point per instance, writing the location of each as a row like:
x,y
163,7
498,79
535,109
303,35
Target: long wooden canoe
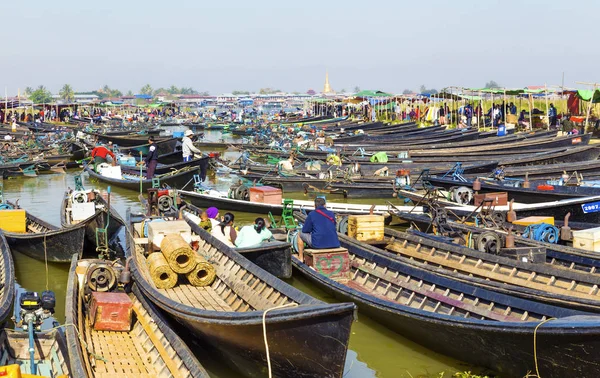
x,y
466,322
306,338
150,348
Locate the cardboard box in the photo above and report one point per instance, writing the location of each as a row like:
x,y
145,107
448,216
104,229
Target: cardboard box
x,y
13,220
111,311
499,198
333,263
82,211
587,239
266,194
366,227
158,230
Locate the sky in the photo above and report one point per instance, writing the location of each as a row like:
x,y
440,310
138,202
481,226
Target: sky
x,y
222,46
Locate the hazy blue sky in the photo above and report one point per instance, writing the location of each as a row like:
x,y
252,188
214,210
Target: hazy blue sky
x,y
220,46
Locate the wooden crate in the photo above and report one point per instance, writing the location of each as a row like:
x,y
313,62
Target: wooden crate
x,y
366,227
13,220
499,198
266,194
587,239
332,262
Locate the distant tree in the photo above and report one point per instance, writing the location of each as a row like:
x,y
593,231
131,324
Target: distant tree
x,y
492,84
356,89
188,91
105,89
129,93
423,89
173,90
28,91
67,93
268,91
407,91
240,93
205,93
115,93
343,91
41,95
160,90
295,93
311,92
146,89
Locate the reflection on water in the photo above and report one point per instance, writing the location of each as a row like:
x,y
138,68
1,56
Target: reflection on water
x,y
375,351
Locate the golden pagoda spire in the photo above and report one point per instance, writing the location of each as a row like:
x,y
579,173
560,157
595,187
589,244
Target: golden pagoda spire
x,y
327,88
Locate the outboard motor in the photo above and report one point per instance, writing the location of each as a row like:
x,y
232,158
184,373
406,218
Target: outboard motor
x,y
34,309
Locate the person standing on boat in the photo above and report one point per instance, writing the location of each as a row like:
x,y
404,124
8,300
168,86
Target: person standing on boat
x,y
100,153
151,158
319,230
188,147
552,115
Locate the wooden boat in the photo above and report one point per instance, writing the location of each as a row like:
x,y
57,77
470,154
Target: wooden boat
x,y
151,348
126,141
296,183
583,167
88,209
165,146
562,141
7,280
557,209
50,348
469,323
166,168
222,201
176,179
45,242
274,256
535,194
245,306
559,255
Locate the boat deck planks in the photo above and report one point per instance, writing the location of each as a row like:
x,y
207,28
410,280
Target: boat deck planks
x,y
498,271
120,355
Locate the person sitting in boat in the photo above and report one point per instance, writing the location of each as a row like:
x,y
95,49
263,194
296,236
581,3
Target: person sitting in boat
x,y
287,164
250,236
100,153
319,230
208,218
151,159
188,148
225,231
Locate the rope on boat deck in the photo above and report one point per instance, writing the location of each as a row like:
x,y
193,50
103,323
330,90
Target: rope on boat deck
x,y
537,371
264,324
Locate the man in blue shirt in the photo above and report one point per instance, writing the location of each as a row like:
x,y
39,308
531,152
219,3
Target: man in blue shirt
x,y
319,230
